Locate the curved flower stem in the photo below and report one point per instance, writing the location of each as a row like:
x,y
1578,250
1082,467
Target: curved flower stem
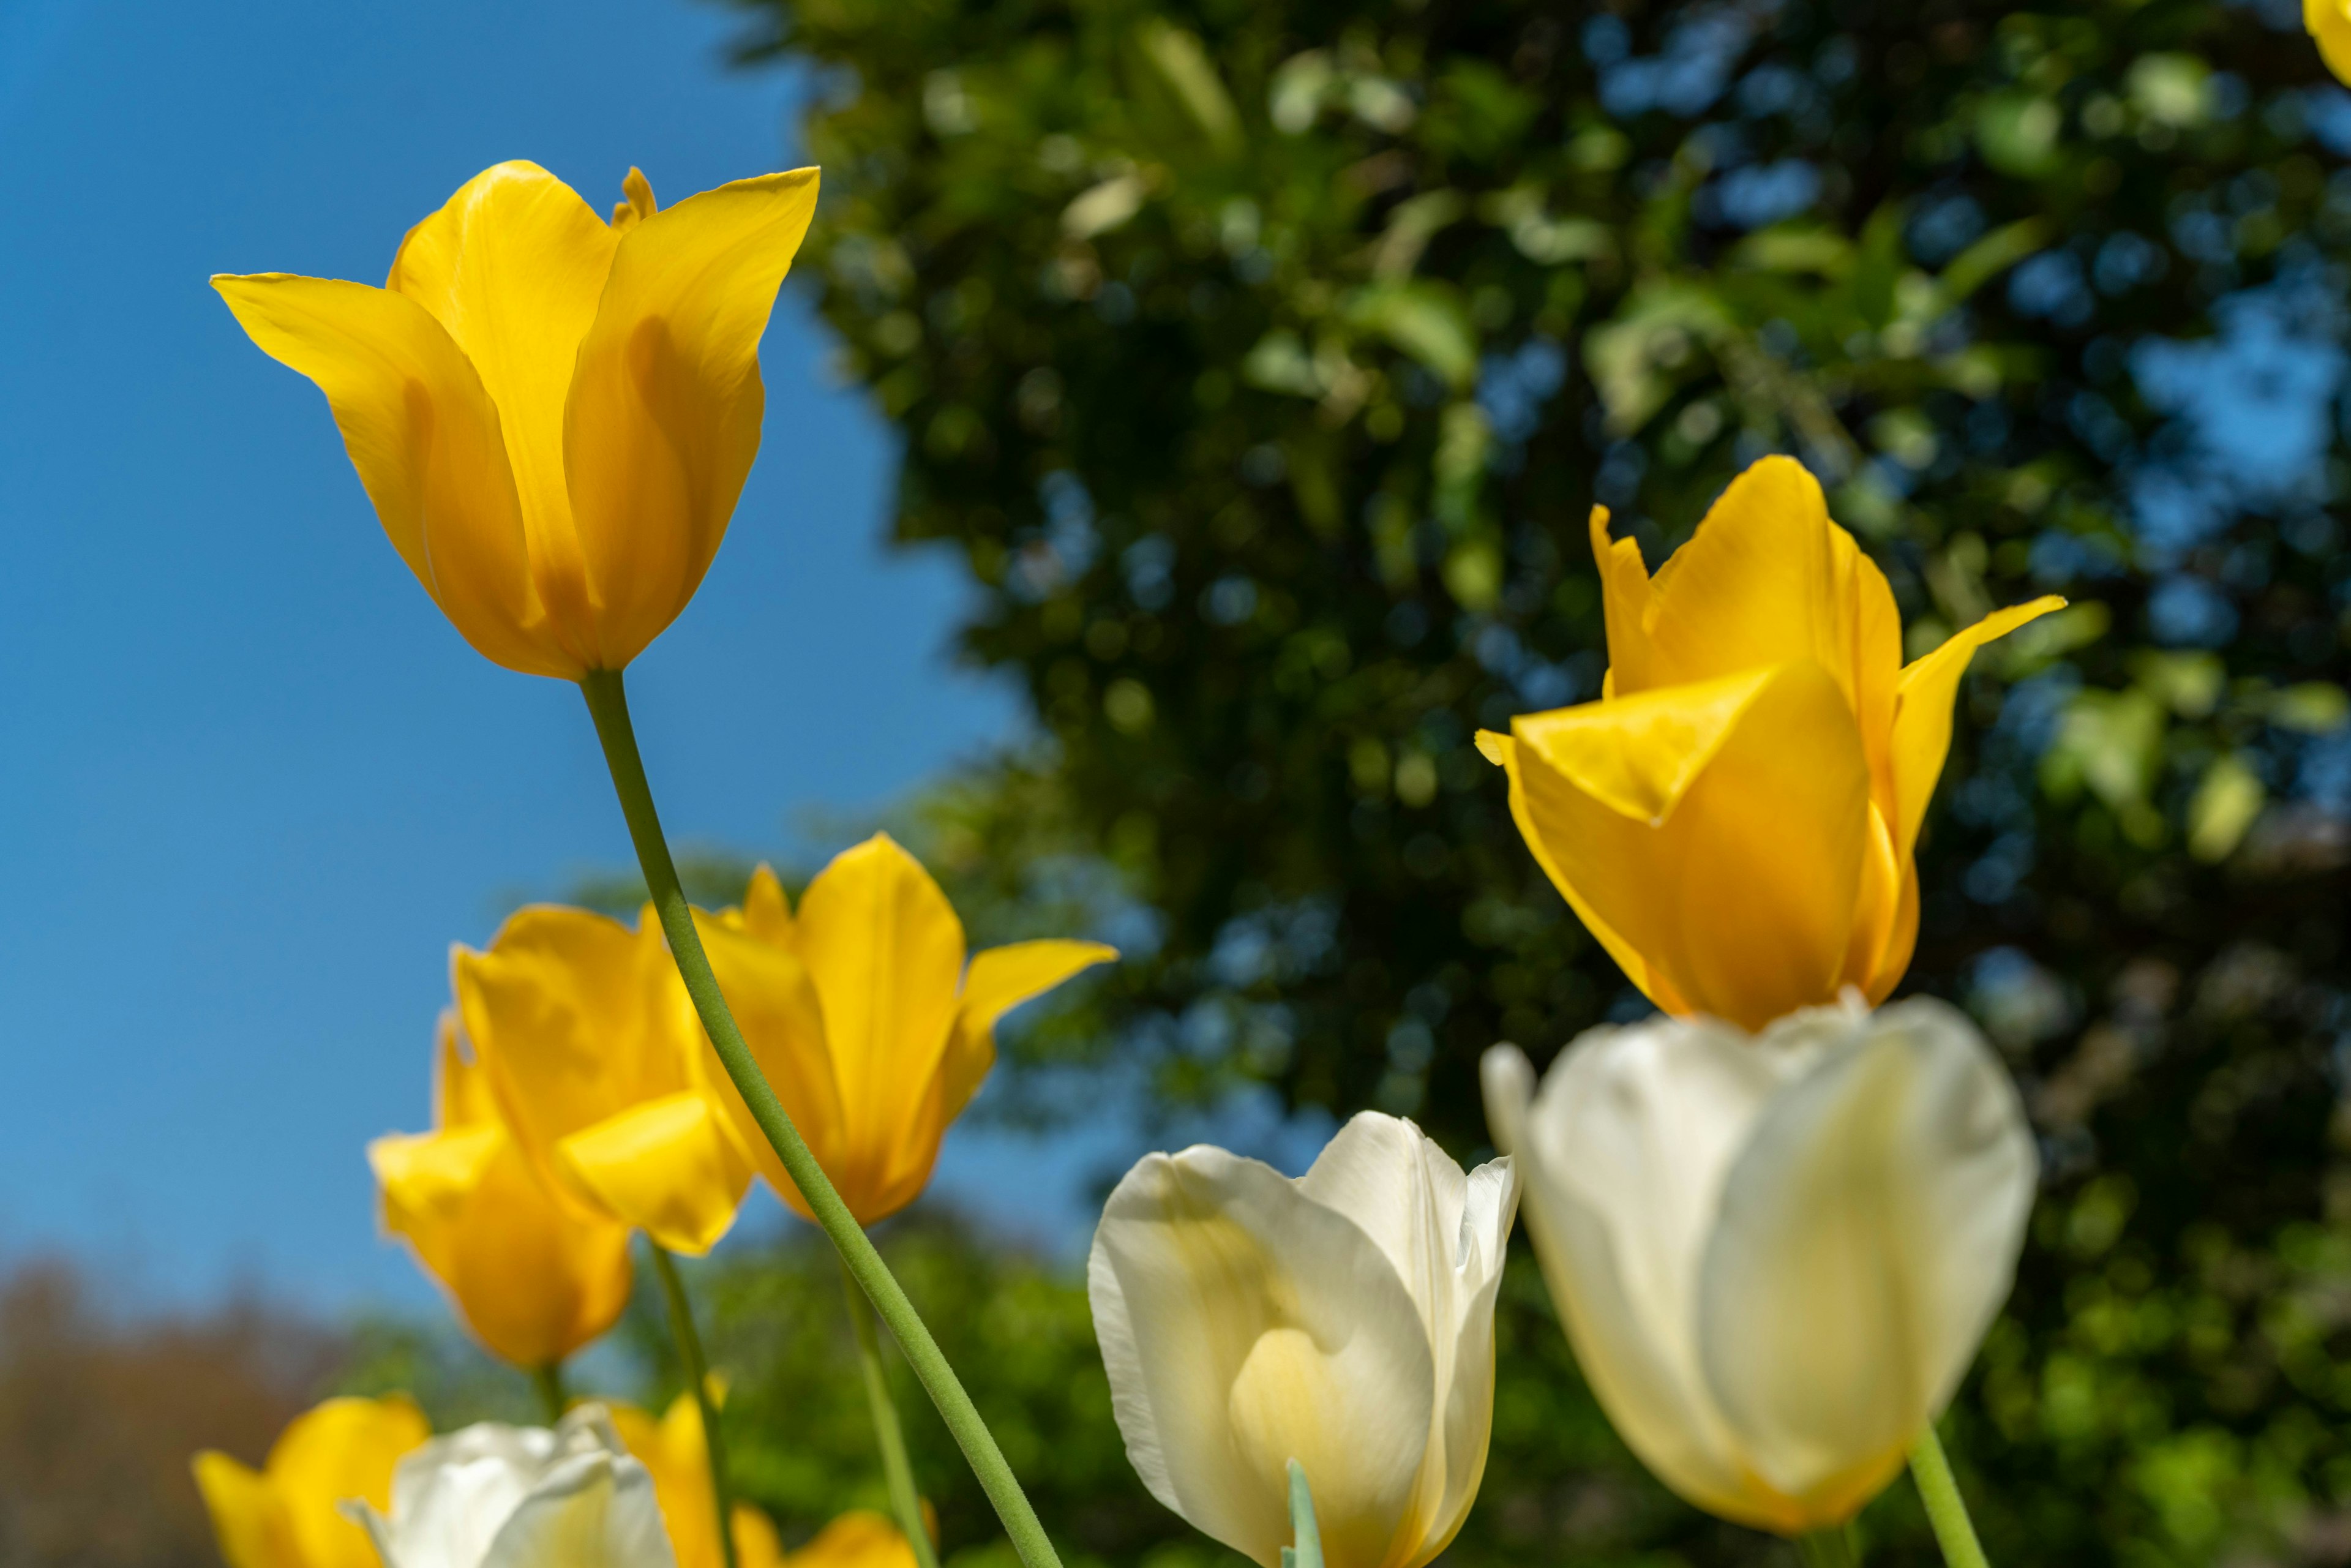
x,y
549,1381
905,1500
1947,1510
1830,1547
608,704
698,1372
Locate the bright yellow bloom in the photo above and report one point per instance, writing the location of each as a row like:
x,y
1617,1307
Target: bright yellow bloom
x,y
864,1021
2329,22
283,1515
673,1448
853,1540
553,414
590,1043
1734,819
533,1279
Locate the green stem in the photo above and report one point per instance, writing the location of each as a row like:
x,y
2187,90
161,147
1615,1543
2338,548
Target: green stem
x,y
1830,1547
698,1374
905,1500
549,1381
1305,1550
1947,1510
608,704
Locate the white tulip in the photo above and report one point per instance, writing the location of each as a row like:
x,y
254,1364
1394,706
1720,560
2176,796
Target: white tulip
x,y
521,1497
1775,1254
1345,1320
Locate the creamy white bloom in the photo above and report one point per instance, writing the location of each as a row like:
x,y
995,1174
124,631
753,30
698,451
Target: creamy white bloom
x,y
1345,1320
521,1497
1775,1254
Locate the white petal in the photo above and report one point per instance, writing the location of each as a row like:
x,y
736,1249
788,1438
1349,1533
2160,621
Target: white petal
x,y
1623,1151
1868,1233
449,1497
1464,1415
592,1510
1243,1324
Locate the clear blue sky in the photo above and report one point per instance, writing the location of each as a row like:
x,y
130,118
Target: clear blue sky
x,y
251,785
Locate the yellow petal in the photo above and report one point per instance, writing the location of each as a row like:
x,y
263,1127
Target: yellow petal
x,y
424,436
667,1167
2329,22
886,952
673,1450
343,1448
575,1017
462,1094
531,1276
854,1539
248,1520
638,205
662,418
512,267
1001,979
1922,716
1625,604
756,1544
776,1006
1734,876
765,914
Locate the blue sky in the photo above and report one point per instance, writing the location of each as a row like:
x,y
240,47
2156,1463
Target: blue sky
x,y
251,785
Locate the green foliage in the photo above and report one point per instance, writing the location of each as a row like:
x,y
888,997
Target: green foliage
x,y
1262,358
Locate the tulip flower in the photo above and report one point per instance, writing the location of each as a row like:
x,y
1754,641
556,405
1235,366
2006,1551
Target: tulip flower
x,y
531,1277
675,1451
1734,819
1775,1256
553,414
2329,23
863,1017
592,1048
287,1514
1345,1320
493,1496
857,1539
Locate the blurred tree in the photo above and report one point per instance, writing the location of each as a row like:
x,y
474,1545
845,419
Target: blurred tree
x,y
1262,357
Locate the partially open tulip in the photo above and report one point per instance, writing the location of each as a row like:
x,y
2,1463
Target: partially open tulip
x,y
287,1514
675,1451
553,414
522,1496
591,1045
1345,1320
1734,819
2329,22
1775,1256
866,1020
532,1276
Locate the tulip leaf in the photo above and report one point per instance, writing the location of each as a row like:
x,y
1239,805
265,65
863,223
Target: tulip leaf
x,y
1308,1552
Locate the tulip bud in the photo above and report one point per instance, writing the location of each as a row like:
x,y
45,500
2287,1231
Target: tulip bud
x,y
1776,1255
1345,1320
1734,819
493,1496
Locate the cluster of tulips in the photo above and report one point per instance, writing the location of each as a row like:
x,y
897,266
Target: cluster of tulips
x,y
1775,1219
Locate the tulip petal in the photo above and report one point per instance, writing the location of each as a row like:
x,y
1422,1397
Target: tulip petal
x,y
783,1020
1244,1324
858,1539
1868,1233
249,1519
765,913
886,953
462,1093
663,416
1922,716
2328,23
1624,609
1000,979
424,436
591,1511
1716,831
512,267
343,1448
1623,1151
667,1167
1767,579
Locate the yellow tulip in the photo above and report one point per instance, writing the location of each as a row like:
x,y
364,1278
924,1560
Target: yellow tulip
x,y
1734,819
673,1448
853,1540
284,1515
864,1020
533,1279
2329,22
553,414
590,1046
